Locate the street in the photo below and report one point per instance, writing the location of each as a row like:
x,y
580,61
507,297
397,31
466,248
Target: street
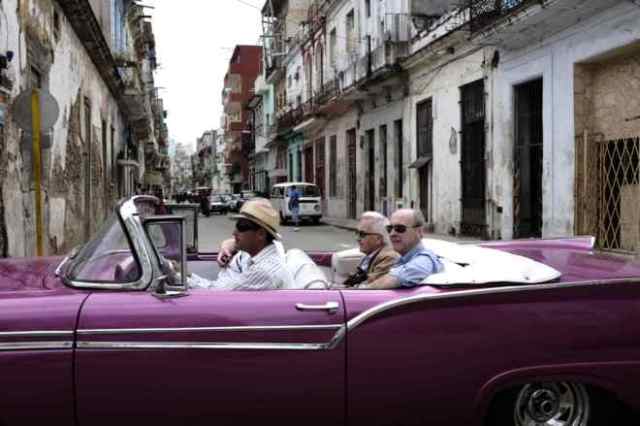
x,y
212,230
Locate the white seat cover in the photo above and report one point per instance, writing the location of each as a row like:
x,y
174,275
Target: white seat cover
x,y
470,264
304,272
344,263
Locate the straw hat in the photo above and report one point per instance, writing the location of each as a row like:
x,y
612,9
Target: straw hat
x,y
260,212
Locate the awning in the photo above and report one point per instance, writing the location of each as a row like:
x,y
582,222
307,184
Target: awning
x,y
300,127
420,162
277,173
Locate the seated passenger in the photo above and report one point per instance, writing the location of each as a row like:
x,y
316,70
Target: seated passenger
x,y
257,265
415,262
374,242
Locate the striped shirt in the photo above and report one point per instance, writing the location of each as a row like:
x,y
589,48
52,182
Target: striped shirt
x,y
264,271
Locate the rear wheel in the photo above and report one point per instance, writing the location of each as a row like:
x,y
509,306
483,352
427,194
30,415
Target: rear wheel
x,y
556,404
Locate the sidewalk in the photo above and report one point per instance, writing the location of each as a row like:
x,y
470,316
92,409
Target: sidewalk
x,y
352,225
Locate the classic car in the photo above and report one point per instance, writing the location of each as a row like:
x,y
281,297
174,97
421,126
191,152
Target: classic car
x,y
111,334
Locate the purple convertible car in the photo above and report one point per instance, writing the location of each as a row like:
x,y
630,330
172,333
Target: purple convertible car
x,y
112,335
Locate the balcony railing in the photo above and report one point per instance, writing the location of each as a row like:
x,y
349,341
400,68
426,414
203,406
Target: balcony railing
x,y
485,13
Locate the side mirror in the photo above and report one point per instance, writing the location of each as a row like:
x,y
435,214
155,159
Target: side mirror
x,y
167,235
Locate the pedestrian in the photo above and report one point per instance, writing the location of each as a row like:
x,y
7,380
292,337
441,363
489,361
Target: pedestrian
x,y
294,207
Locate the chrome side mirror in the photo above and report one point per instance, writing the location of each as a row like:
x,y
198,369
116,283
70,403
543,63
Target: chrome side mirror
x,y
167,235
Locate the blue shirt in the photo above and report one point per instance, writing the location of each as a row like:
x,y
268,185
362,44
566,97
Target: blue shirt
x,y
415,266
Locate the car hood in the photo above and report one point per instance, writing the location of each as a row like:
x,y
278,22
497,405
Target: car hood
x,y
28,274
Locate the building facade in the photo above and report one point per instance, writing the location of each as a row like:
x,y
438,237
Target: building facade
x,y
90,56
244,67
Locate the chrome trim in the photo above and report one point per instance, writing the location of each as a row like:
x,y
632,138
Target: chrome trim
x,y
205,345
376,310
330,307
103,331
133,227
58,271
36,333
23,346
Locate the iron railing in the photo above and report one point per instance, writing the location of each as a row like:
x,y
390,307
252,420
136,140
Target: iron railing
x,y
485,13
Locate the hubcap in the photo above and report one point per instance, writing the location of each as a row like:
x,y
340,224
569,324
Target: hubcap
x,y
552,404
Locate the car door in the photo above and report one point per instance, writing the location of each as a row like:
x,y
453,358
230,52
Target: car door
x,y
227,357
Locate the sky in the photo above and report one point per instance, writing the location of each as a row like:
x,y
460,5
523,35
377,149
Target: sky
x,y
194,42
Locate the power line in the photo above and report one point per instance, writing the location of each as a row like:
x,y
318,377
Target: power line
x,y
248,4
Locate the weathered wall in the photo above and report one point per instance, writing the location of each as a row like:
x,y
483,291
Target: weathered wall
x,y
554,60
69,74
441,81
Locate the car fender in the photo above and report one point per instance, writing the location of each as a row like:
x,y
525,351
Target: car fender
x,y
608,376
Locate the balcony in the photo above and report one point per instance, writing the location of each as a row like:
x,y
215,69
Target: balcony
x,y
514,23
290,119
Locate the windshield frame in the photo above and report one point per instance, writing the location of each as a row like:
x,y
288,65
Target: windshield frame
x,y
131,224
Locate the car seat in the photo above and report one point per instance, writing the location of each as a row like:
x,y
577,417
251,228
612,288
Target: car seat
x,y
304,272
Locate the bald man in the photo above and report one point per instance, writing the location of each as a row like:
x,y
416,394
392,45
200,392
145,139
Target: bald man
x,y
415,262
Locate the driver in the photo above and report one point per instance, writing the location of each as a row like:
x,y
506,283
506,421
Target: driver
x,y
257,263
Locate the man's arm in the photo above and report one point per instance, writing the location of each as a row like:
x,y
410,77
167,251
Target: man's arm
x,y
385,282
226,252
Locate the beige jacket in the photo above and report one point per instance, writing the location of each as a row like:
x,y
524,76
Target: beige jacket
x,y
382,263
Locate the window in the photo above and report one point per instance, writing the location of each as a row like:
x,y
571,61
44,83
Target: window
x,y
333,160
351,26
425,128
383,155
332,47
113,156
397,131
289,81
367,8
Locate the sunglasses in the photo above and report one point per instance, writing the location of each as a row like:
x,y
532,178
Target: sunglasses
x,y
361,235
400,229
246,225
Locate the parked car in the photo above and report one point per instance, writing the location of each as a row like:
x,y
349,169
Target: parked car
x,y
234,203
217,204
538,332
309,204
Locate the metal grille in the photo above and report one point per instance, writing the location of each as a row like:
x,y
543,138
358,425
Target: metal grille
x,y
619,194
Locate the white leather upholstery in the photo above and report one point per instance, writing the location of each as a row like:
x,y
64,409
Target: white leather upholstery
x,y
344,263
304,272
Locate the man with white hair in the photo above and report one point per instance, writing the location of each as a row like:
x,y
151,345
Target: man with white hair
x,y
374,242
416,262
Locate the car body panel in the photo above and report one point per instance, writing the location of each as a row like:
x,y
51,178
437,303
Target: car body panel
x,y
234,373
463,341
37,324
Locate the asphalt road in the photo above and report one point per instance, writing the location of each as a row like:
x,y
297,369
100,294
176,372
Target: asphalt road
x,y
216,228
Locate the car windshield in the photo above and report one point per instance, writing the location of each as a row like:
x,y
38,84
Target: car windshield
x,y
309,191
106,258
216,199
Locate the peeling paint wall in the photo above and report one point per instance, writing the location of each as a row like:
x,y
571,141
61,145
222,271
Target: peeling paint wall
x,y
71,77
554,60
441,81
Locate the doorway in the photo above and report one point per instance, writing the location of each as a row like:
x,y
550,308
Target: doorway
x,y
351,174
371,171
527,164
308,164
472,160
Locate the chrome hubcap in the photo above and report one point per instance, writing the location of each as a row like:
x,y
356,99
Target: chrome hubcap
x,y
552,404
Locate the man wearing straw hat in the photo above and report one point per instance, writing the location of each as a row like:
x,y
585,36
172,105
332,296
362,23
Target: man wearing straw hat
x,y
257,263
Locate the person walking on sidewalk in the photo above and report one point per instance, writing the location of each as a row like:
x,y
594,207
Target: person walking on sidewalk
x,y
294,206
